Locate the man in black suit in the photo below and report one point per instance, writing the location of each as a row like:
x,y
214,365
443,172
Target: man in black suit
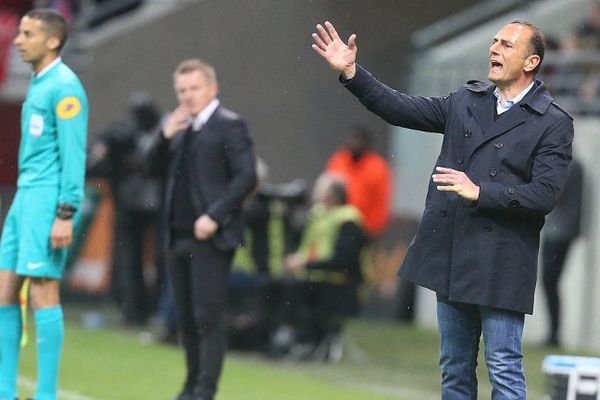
x,y
208,157
502,166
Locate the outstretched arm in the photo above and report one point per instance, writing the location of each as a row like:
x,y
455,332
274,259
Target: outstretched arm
x,y
422,113
340,56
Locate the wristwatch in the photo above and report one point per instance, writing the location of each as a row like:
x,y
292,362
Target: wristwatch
x,y
65,211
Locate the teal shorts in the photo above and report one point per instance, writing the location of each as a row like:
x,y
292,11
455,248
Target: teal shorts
x,y
25,245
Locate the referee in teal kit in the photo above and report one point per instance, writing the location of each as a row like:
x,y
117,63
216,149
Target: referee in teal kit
x,y
38,228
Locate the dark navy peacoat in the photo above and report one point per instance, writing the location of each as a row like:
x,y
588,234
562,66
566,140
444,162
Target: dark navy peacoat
x,y
481,252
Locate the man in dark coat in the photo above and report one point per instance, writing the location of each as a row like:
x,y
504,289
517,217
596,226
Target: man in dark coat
x,y
209,160
563,226
501,168
118,155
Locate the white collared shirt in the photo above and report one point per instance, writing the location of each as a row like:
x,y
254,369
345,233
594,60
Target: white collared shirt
x,y
47,68
204,115
500,108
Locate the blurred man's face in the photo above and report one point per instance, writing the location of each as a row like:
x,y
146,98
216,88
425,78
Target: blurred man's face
x,y
33,42
509,58
194,90
356,145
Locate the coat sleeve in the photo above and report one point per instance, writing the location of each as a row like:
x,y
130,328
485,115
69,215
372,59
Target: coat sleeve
x,y
548,176
414,112
156,155
241,160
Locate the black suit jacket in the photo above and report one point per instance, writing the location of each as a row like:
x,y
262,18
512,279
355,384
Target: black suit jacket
x,y
482,252
221,172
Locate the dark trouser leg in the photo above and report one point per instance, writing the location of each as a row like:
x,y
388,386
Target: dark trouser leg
x,y
129,266
179,269
554,255
209,277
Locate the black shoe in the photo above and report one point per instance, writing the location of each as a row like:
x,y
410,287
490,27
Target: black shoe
x,y
552,341
185,395
201,394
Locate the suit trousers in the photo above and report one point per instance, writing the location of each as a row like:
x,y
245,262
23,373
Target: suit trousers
x,y
199,273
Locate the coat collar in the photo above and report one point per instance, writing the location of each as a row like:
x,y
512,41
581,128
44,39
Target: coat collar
x,y
538,98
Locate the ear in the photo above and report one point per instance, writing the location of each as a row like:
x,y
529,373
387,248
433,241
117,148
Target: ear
x,y
53,43
531,62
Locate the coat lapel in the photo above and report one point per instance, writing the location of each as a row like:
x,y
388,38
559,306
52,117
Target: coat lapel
x,y
509,120
483,111
178,149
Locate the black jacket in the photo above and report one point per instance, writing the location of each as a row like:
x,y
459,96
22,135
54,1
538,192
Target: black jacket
x,y
482,252
564,222
221,172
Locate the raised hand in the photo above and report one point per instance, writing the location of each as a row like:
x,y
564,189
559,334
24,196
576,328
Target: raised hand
x,y
178,120
339,55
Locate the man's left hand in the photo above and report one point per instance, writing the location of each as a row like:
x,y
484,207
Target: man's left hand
x,y
62,233
205,227
451,180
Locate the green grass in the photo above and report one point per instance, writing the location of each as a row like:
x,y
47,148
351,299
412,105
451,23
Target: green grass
x,y
384,361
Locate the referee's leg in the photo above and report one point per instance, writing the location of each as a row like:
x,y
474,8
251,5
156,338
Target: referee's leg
x,y
10,332
49,326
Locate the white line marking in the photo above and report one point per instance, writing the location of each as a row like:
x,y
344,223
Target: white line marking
x,y
30,384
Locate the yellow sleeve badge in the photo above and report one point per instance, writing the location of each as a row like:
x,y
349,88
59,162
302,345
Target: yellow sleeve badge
x,y
68,108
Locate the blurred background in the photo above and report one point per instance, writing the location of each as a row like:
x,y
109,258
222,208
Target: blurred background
x,y
125,52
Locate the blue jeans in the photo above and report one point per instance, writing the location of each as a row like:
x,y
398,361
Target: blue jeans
x,y
461,326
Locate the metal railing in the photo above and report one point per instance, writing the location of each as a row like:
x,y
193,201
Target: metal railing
x,y
462,21
574,80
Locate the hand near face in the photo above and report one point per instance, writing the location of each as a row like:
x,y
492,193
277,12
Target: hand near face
x,y
451,180
61,234
340,56
178,120
205,227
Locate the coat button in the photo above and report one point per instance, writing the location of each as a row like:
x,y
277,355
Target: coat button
x,y
511,191
487,228
499,145
460,160
493,172
514,203
443,213
467,133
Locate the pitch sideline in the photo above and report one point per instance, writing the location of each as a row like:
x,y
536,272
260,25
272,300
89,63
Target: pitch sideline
x,y
30,384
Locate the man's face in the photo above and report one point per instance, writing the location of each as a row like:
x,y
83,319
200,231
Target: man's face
x,y
194,90
509,57
33,42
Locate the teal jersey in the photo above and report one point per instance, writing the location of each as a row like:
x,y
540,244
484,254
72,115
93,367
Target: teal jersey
x,y
54,121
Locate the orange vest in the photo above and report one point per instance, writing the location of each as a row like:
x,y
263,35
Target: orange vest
x,y
369,186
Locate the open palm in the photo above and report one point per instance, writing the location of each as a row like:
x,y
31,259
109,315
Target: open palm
x,y
339,55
